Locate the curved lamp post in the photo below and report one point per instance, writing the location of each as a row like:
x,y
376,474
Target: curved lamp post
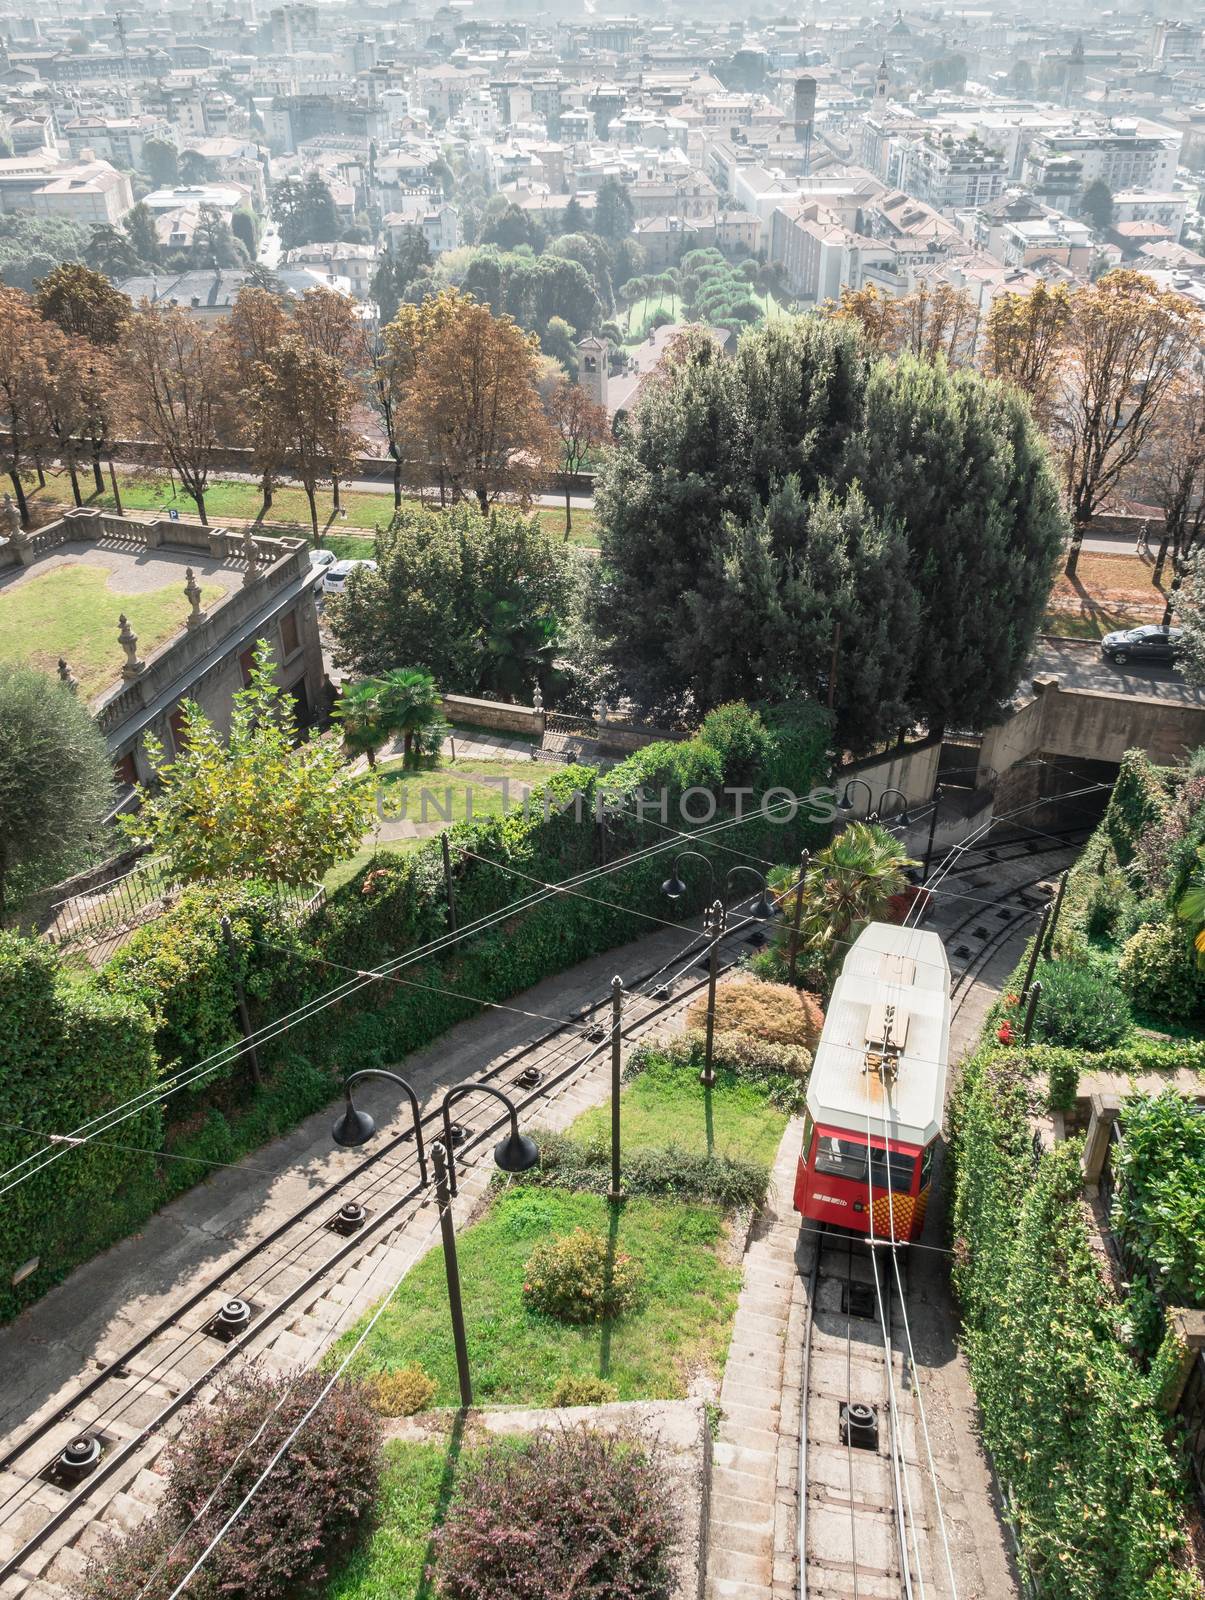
x,y
356,1127
515,1153
845,805
715,927
902,814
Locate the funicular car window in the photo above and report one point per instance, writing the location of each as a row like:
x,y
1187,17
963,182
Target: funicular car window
x,y
846,1158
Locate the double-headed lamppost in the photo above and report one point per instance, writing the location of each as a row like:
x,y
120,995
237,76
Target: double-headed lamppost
x,y
515,1153
845,806
715,926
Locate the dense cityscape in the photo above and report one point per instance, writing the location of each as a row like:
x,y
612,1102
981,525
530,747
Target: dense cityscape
x,y
602,802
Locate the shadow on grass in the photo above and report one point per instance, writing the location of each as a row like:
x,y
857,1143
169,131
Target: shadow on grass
x,y
614,1210
443,1499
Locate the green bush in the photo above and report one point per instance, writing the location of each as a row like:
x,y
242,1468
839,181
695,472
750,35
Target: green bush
x,y
401,1393
1158,972
581,1277
583,1391
1080,1006
1071,1421
740,738
1159,1205
653,1170
1106,905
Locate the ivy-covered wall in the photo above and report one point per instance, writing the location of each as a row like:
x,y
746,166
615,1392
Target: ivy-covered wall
x,y
1073,1424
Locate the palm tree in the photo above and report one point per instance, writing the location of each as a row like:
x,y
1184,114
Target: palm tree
x,y
413,707
361,716
848,884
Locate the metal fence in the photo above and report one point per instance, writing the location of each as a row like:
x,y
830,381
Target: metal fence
x,y
96,922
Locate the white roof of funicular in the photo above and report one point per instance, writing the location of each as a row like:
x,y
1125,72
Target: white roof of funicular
x,y
897,975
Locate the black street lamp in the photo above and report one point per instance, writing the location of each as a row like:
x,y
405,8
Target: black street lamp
x,y
845,806
674,888
515,1153
902,814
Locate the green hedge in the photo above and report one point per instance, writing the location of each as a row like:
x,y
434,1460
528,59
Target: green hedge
x,y
1072,1423
68,1051
1159,1210
167,1000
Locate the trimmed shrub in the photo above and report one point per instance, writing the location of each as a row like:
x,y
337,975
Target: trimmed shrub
x,y
310,1502
1158,972
1159,1204
774,1012
782,1069
400,1393
1139,802
1080,1006
583,1391
654,1170
573,1512
581,1277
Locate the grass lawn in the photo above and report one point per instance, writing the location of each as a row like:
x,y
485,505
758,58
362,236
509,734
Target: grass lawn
x,y
415,1489
666,1103
517,1355
1107,592
72,612
230,500
455,791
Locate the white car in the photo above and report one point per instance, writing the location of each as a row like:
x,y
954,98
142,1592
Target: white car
x,y
335,576
321,559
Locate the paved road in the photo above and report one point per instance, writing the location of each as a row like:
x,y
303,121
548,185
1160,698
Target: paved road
x,y
1081,666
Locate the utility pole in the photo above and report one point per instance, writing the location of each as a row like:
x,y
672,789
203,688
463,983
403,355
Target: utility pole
x,y
1054,915
451,893
1035,994
616,1071
932,831
447,1228
797,919
240,998
832,665
1036,951
715,926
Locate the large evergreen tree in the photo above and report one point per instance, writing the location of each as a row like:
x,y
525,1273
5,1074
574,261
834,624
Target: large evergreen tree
x,y
750,506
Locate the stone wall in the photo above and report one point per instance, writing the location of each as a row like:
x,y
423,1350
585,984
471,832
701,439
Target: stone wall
x,y
463,709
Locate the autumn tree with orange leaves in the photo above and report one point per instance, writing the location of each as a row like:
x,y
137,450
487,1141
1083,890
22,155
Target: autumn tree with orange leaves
x,y
581,425
467,385
1128,344
1023,344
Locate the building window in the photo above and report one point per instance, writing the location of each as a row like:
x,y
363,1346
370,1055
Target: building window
x,y
290,639
246,661
125,772
176,723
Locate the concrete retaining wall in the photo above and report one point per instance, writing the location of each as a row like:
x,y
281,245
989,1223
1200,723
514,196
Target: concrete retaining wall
x,y
463,708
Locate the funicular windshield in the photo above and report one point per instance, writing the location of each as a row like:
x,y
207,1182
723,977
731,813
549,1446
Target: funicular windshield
x,y
846,1158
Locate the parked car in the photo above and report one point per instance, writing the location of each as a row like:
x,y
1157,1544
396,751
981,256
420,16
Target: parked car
x,y
321,559
334,578
1149,643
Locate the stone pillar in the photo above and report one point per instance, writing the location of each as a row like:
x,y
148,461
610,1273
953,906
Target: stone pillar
x,y
1186,1338
251,557
133,668
192,593
1106,1108
217,543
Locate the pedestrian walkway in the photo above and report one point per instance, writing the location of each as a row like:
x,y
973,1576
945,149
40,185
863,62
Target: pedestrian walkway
x,y
752,1526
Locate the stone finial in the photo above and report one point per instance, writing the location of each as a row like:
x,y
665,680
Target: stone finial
x,y
133,667
192,592
251,556
67,678
537,699
602,713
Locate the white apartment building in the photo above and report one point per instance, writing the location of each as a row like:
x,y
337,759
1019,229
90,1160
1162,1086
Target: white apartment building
x,y
1127,156
1168,209
93,193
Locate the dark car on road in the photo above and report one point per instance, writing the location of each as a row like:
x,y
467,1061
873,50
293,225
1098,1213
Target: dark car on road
x,y
1148,643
